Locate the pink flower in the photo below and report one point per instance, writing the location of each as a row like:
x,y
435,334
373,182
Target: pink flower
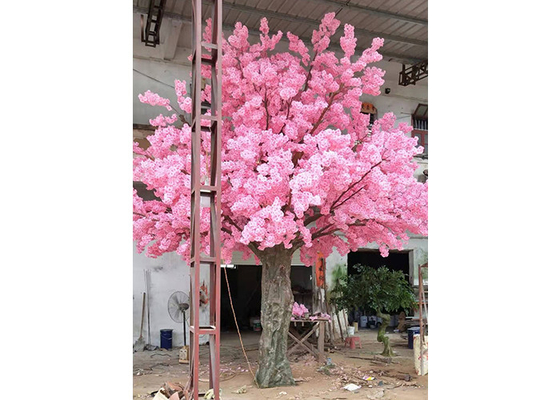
x,y
300,167
299,310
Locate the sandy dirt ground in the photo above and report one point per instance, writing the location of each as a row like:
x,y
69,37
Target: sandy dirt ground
x,y
314,380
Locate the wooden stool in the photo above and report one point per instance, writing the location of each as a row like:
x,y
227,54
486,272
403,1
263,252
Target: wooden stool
x,y
351,341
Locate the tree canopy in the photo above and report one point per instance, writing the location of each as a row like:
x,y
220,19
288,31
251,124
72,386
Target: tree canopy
x,y
300,168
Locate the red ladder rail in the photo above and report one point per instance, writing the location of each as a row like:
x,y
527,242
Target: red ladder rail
x,y
209,190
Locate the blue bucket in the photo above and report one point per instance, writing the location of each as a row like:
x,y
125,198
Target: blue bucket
x,y
411,332
166,338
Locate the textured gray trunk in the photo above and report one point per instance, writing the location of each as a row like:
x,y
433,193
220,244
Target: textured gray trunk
x,y
387,351
276,312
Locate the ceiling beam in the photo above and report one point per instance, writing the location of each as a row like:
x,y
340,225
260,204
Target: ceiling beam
x,y
178,6
374,12
402,58
314,22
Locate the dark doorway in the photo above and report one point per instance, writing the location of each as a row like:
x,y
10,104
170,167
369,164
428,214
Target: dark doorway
x,y
396,260
245,285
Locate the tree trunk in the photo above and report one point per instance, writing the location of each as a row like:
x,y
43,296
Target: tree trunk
x,y
276,312
387,351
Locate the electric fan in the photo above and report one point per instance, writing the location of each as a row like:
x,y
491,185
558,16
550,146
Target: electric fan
x,y
177,306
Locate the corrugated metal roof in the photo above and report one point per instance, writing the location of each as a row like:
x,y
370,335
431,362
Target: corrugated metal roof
x,y
402,23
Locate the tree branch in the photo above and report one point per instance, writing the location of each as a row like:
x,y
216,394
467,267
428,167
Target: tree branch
x,y
352,195
305,85
232,222
329,104
266,109
313,219
322,232
333,205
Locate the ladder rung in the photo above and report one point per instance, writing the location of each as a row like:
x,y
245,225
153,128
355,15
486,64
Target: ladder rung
x,y
210,45
212,118
203,330
205,260
208,61
206,191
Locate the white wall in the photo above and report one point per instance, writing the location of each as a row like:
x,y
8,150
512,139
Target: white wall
x,y
168,273
162,82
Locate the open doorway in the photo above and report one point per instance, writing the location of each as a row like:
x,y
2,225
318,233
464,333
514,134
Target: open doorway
x,y
395,261
245,285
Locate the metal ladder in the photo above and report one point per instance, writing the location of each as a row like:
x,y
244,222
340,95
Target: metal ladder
x,y
210,190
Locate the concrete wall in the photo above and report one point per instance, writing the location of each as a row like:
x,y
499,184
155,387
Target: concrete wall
x,y
402,100
168,274
162,81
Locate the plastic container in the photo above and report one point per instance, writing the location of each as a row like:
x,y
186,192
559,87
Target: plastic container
x,y
350,331
411,332
166,338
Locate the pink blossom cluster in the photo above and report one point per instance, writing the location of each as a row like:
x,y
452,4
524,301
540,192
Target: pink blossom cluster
x,y
300,167
299,310
320,316
154,99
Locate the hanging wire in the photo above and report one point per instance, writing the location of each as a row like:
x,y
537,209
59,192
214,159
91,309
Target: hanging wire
x,y
238,332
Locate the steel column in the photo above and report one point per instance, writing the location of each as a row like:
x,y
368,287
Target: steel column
x,y
210,189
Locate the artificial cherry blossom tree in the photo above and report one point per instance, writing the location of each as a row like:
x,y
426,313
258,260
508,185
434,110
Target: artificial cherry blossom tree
x,y
300,168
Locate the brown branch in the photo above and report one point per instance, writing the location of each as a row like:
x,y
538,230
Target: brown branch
x,y
305,86
352,195
313,237
230,220
319,232
313,219
145,155
296,244
308,77
266,109
329,104
333,205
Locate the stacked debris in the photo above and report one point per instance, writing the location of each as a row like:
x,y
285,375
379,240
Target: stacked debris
x,y
175,391
170,390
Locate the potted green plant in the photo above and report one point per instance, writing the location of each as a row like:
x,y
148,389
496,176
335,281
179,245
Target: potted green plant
x,y
376,289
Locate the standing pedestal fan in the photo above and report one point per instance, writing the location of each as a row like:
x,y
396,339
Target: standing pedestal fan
x,y
177,306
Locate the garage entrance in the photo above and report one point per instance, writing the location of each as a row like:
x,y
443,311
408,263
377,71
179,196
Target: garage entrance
x,y
396,261
245,285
